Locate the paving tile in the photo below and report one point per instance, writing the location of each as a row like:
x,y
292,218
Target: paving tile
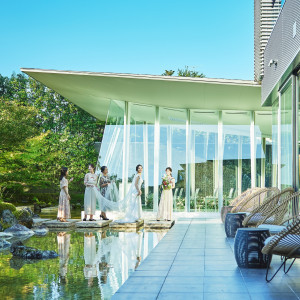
x,y
182,288
180,296
156,273
214,287
226,296
137,296
185,280
273,296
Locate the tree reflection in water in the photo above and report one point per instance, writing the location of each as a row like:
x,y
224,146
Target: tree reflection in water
x,y
92,264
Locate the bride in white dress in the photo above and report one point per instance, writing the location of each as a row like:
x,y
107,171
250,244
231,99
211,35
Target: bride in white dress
x,y
132,200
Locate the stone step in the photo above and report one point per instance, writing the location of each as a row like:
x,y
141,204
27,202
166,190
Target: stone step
x,y
58,224
93,224
134,225
154,224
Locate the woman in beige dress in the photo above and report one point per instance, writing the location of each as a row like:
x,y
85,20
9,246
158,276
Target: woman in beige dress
x,y
165,208
64,197
90,181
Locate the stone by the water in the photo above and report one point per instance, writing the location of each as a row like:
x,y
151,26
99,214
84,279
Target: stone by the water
x,y
19,230
93,224
19,250
8,217
41,230
5,235
4,245
58,224
25,217
154,224
133,225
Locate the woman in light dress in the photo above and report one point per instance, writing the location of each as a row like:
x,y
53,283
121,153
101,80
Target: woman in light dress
x,y
133,201
90,181
64,197
165,208
104,185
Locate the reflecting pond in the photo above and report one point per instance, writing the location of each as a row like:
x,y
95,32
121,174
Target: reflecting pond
x,y
91,264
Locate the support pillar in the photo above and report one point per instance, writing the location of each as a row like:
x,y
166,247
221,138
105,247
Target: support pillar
x,y
220,160
253,149
156,159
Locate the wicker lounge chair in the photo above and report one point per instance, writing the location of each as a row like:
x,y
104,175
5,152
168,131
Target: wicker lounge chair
x,y
272,211
286,244
227,209
255,199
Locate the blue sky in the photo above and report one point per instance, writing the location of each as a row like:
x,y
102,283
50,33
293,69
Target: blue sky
x,y
128,36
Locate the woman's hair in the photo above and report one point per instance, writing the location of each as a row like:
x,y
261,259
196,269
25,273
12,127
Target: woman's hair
x,y
63,173
137,167
103,168
169,168
92,166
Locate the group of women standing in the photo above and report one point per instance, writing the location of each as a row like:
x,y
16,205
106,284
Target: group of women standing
x,y
107,196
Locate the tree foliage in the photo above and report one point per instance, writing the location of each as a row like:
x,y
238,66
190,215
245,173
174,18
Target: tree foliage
x,y
40,132
185,72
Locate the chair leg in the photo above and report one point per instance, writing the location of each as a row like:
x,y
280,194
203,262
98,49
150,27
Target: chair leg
x,y
268,267
284,267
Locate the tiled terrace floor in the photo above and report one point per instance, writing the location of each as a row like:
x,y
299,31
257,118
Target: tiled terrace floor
x,y
195,260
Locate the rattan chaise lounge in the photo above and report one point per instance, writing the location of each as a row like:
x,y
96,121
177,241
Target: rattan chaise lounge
x,y
271,211
255,199
286,244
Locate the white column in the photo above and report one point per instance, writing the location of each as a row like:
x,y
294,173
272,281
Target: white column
x,y
279,143
169,145
146,167
187,163
220,160
240,164
253,149
126,134
263,163
156,159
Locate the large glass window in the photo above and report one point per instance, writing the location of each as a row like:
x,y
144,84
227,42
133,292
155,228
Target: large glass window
x,y
141,148
237,153
203,162
275,108
286,134
263,146
172,151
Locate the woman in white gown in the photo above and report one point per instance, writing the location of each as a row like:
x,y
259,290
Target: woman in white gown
x,y
133,200
165,208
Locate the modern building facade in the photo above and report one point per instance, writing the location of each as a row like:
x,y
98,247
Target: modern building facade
x,y
219,136
280,89
265,15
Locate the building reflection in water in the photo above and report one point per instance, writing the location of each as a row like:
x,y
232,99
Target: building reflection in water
x,y
112,256
63,241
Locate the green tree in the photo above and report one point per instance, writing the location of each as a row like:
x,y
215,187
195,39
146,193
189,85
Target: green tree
x,y
185,72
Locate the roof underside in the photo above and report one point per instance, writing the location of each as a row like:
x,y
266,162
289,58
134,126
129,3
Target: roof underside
x,y
93,91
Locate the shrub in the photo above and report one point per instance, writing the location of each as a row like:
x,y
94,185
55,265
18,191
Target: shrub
x,y
6,205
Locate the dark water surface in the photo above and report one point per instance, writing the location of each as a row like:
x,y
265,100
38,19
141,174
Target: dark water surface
x,y
91,265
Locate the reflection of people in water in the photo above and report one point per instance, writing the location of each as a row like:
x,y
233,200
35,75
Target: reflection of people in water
x,y
63,241
90,257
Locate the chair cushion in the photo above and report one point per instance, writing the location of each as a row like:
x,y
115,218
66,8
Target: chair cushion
x,y
289,243
274,229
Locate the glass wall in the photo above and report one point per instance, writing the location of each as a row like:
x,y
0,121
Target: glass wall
x,y
111,152
275,174
172,151
286,136
141,148
236,153
263,148
214,154
203,160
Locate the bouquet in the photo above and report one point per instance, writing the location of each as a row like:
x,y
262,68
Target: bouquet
x,y
166,182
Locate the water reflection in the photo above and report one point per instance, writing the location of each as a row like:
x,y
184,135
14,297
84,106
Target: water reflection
x,y
91,264
63,242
